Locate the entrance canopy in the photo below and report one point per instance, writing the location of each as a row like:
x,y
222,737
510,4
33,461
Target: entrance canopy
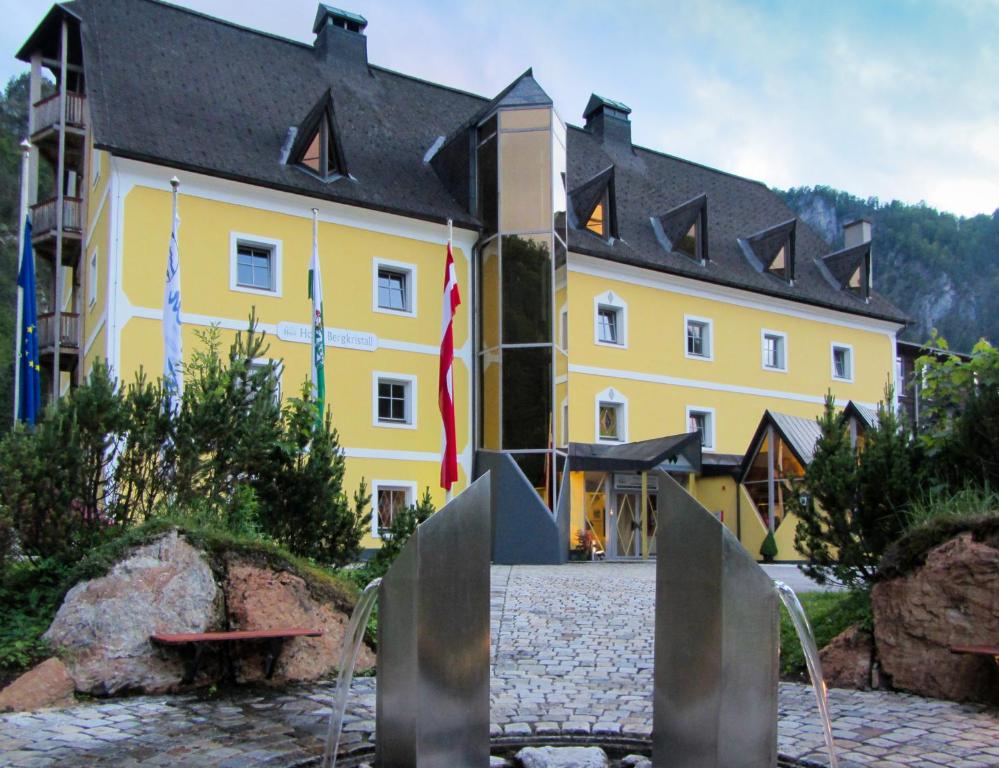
x,y
674,453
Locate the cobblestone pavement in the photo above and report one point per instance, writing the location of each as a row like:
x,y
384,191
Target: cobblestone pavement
x,y
572,654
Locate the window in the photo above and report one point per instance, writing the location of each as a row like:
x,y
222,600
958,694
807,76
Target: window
x,y
598,221
842,362
317,148
607,325
698,338
690,243
262,363
394,395
610,316
611,417
702,420
255,264
774,350
388,499
92,280
394,289
564,336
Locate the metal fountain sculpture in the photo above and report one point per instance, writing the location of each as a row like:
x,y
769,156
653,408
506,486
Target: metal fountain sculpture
x,y
716,643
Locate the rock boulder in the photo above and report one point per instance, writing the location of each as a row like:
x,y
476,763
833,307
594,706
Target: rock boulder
x,y
259,597
846,660
103,625
47,685
953,599
562,757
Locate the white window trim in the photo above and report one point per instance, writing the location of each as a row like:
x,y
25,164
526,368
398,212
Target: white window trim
x,y
849,360
407,485
95,166
563,319
92,267
411,409
395,266
610,300
564,432
764,332
278,368
712,425
711,337
611,396
237,238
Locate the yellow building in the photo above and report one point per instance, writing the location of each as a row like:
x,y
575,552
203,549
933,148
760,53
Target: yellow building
x,y
612,294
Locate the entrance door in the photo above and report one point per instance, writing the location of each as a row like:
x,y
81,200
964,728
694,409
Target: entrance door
x,y
628,524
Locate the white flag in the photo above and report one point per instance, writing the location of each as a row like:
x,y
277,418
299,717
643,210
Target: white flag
x,y
173,357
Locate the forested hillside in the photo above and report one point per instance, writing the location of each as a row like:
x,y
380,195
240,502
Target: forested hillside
x,y
942,270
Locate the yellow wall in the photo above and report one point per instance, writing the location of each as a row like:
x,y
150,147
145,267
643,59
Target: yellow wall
x,y
717,495
97,241
656,345
347,258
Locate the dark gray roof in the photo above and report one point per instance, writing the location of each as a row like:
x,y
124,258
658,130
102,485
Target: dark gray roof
x,y
801,434
639,456
176,87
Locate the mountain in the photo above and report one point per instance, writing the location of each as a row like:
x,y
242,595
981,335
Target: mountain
x,y
942,270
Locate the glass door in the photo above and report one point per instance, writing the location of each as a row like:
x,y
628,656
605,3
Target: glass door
x,y
629,525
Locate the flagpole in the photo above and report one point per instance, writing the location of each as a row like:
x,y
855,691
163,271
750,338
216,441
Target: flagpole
x,y
25,171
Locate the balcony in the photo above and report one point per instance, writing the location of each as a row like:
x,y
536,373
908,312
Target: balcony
x,y
69,336
43,228
45,135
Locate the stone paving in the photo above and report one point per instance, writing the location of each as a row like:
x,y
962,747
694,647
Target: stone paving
x,y
572,655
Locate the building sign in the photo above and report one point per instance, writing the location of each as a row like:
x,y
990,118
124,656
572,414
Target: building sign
x,y
335,337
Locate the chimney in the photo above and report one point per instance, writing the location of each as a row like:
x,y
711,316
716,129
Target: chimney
x,y
856,232
340,37
608,120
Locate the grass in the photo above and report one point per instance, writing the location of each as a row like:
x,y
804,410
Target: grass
x,y
829,614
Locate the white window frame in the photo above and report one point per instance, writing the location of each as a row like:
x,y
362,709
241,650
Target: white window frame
x,y
764,332
409,270
611,396
563,336
409,486
411,400
565,421
95,166
710,330
710,436
848,348
254,241
260,362
610,300
92,267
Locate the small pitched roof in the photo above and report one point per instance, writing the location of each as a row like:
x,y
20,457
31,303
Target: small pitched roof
x,y
329,12
584,198
680,451
862,413
670,227
762,248
598,102
798,433
840,266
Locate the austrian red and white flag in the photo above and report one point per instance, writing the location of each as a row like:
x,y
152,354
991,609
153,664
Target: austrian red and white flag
x,y
445,383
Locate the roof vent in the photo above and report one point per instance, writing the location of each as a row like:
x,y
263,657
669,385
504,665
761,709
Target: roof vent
x,y
340,36
608,120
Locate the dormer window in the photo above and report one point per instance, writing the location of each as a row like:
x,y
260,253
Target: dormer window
x,y
592,205
598,220
772,250
683,229
317,148
850,270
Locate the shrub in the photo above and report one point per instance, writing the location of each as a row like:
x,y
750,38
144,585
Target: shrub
x,y
857,502
768,549
829,613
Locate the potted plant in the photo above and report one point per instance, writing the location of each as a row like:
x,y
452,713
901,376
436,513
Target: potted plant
x,y
768,549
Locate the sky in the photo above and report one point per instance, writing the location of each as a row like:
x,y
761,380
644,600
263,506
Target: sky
x,y
895,99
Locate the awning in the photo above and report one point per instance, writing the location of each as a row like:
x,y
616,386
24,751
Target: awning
x,y
674,453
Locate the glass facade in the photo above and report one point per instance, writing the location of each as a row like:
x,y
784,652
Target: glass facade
x,y
522,369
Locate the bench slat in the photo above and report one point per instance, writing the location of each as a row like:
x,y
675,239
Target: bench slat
x,y
983,650
255,634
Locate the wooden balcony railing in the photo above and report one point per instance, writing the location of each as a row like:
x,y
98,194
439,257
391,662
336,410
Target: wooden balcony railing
x,y
69,330
46,111
43,215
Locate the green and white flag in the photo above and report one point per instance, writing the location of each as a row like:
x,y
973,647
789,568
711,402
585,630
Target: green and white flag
x,y
318,329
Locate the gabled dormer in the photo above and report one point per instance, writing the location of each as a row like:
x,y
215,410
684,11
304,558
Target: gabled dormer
x,y
772,250
684,229
593,206
317,149
850,269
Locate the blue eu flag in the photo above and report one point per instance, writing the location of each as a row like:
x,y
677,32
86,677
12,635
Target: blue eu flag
x,y
29,403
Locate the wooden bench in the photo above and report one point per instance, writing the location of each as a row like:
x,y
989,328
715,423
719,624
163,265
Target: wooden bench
x,y
199,640
978,650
